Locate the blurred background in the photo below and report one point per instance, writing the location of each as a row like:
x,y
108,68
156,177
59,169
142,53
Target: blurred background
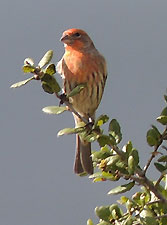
x,y
36,168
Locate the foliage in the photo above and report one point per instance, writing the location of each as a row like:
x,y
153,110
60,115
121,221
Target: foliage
x,y
147,206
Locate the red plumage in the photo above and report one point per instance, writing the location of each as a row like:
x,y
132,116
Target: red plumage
x,y
82,63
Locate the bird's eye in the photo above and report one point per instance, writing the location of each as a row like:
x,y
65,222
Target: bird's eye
x,y
77,34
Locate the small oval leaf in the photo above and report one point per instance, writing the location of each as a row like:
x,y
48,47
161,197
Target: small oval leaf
x,y
28,69
54,109
153,137
115,211
21,83
135,155
162,120
115,130
121,189
163,117
163,158
131,165
165,97
46,59
29,61
70,131
101,120
47,88
51,84
90,222
103,212
50,69
159,167
105,140
164,112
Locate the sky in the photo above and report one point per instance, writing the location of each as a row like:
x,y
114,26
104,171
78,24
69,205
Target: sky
x,y
38,185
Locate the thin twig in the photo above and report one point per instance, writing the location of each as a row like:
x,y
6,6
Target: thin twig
x,y
159,180
155,150
69,105
151,158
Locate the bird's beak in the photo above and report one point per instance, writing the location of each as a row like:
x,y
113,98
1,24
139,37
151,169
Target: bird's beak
x,y
64,38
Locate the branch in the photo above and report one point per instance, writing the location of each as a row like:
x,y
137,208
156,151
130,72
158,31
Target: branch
x,y
141,178
159,180
63,99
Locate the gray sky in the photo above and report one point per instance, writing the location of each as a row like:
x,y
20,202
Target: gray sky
x,y
36,168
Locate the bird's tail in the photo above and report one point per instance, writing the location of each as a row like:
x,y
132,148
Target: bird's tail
x,y
83,161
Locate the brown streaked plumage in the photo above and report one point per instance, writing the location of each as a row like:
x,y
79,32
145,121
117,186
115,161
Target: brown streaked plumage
x,y
82,63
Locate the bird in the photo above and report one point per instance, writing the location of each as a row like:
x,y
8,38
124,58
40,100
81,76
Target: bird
x,y
82,64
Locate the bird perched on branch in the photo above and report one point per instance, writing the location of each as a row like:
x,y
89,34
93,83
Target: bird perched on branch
x,y
82,64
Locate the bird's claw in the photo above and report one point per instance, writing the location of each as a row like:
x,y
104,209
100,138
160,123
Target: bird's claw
x,y
62,99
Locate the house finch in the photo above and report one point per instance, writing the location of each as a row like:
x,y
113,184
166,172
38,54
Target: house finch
x,y
82,63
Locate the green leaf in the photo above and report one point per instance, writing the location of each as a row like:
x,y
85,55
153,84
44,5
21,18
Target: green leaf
x,y
28,69
121,189
98,179
153,137
163,117
21,83
101,120
49,84
70,131
76,90
50,69
29,61
54,109
109,176
105,140
156,129
162,120
159,167
115,130
127,148
135,155
46,58
163,158
123,200
115,211
47,87
164,112
102,154
103,212
147,216
165,97
101,176
90,137
131,165
90,222
112,160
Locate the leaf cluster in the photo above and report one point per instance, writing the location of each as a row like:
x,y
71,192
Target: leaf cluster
x,y
45,75
149,206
